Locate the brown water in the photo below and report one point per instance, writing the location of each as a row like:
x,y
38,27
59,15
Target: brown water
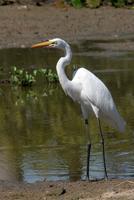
x,y
42,135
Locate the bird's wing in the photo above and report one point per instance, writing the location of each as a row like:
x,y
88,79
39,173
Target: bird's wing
x,y
95,94
92,89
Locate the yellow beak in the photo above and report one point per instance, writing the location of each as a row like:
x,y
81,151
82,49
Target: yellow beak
x,y
42,44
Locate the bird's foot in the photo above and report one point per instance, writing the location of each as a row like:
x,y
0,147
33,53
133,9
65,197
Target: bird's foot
x,y
106,178
96,179
87,178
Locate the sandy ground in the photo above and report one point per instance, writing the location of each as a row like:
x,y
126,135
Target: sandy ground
x,y
22,26
82,190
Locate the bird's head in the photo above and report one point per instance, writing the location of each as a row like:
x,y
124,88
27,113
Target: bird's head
x,y
53,43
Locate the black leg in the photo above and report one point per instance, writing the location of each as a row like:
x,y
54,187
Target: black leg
x,y
88,148
88,159
103,146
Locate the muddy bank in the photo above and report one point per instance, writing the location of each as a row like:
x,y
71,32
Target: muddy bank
x,y
101,190
22,25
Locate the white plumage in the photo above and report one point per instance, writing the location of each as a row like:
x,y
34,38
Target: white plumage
x,y
92,94
89,91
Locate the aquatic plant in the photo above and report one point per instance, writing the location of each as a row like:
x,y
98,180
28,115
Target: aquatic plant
x,y
23,77
47,74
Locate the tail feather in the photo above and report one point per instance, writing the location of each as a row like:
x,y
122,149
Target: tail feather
x,y
121,124
118,122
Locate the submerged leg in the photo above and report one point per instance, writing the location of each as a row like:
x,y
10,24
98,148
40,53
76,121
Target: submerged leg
x,y
88,148
103,146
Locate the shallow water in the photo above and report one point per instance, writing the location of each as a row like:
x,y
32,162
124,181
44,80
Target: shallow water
x,y
42,135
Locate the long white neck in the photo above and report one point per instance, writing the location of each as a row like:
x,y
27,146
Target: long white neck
x,y
60,67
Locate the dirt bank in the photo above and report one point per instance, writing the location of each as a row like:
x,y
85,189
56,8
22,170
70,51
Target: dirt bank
x,y
23,25
83,190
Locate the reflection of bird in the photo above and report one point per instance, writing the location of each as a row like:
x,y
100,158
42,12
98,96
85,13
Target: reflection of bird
x,y
89,91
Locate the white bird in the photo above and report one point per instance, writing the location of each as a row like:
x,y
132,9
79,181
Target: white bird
x,y
89,91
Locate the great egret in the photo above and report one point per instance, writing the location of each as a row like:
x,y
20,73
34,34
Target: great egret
x,y
89,91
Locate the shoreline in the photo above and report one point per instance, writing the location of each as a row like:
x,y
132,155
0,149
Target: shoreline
x,y
82,190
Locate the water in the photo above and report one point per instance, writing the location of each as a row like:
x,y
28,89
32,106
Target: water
x,y
42,135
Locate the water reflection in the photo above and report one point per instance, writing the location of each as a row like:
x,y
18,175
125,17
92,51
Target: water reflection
x,y
41,130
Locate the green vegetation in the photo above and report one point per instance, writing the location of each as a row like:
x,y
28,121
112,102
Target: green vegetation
x,y
47,74
97,3
23,77
75,3
119,3
93,3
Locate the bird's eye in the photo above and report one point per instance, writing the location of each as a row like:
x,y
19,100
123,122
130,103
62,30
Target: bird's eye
x,y
55,43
